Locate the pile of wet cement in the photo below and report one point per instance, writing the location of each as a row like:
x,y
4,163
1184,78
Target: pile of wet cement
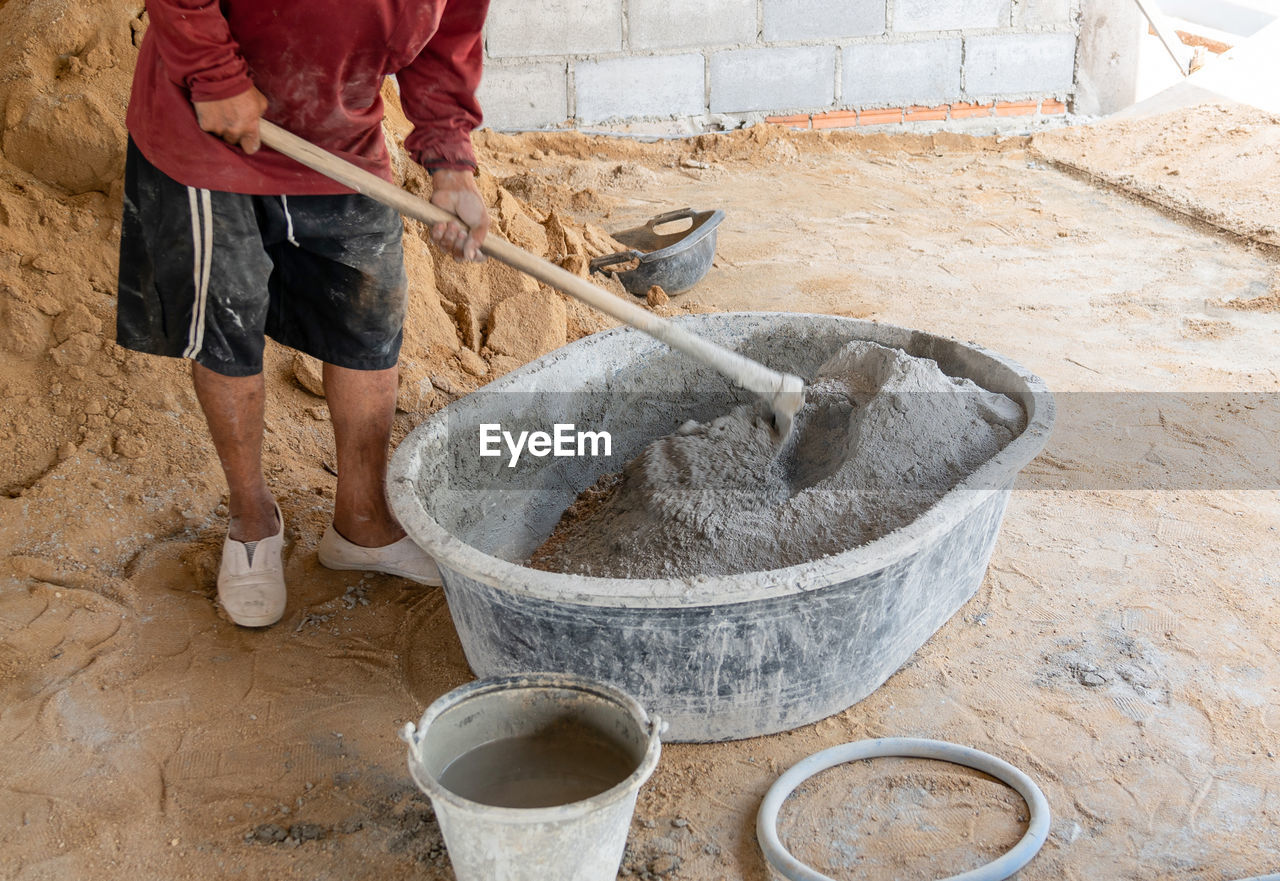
x,y
882,436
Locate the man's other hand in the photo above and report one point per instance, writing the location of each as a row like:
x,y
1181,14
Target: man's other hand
x,y
235,119
457,193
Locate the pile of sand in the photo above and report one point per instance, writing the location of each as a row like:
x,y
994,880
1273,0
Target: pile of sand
x,y
1216,163
66,391
882,436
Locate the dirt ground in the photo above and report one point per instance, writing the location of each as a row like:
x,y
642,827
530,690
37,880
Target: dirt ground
x,y
1122,649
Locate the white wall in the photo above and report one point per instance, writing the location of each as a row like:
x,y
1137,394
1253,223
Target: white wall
x,y
591,62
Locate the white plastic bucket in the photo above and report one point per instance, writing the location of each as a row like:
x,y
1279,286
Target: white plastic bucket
x,y
578,841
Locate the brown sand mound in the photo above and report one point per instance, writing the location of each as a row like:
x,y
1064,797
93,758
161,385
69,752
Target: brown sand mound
x,y
1215,163
67,390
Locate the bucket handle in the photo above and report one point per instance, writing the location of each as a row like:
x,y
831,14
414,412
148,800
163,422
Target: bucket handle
x,y
610,259
678,214
410,735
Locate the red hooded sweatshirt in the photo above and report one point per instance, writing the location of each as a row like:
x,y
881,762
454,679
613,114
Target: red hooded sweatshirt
x,y
320,64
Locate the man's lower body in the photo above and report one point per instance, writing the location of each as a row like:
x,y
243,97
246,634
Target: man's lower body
x,y
207,276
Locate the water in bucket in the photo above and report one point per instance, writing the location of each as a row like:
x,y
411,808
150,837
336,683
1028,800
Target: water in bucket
x,y
563,763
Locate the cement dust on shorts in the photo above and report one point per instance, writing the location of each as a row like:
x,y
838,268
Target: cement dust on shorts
x,y
882,436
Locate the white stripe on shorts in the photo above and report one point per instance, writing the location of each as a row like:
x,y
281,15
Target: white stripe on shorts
x,y
201,204
288,222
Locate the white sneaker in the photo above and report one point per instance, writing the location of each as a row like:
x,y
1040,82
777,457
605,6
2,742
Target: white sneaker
x,y
251,579
403,558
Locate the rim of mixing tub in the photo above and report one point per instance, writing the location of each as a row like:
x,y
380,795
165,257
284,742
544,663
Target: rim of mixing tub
x,y
996,475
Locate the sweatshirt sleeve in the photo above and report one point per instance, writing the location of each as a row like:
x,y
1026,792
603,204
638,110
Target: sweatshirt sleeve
x,y
198,51
438,89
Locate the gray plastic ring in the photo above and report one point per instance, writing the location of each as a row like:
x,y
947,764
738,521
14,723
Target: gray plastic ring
x,y
905,747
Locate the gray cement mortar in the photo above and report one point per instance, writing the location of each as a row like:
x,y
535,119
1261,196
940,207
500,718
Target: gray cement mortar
x,y
882,436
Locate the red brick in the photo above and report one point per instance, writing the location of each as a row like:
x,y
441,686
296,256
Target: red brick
x,y
800,121
967,111
883,116
1051,106
925,114
1016,108
835,119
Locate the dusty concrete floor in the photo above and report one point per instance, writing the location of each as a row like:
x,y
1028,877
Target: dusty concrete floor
x,y
1122,648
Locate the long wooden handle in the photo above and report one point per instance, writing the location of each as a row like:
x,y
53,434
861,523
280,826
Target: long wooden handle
x,y
783,392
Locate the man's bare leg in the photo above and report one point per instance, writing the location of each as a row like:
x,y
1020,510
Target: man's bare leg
x,y
233,407
362,404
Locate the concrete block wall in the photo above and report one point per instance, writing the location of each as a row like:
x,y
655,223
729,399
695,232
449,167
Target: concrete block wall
x,y
585,63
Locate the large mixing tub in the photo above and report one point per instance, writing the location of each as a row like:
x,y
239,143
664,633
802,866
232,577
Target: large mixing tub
x,y
720,658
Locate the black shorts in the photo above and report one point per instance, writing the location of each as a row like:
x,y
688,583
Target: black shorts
x,y
204,275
